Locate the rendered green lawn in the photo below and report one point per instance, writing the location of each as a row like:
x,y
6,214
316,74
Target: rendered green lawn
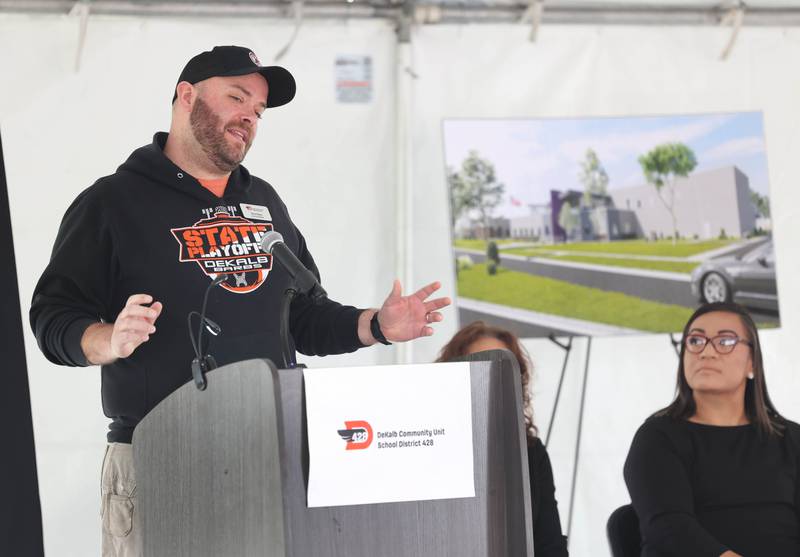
x,y
535,293
684,248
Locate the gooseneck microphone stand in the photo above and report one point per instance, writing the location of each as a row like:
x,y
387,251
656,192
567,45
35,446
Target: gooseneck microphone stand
x,y
203,363
289,361
303,283
294,290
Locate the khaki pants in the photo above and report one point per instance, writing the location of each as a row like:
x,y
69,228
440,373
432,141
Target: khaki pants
x,y
121,521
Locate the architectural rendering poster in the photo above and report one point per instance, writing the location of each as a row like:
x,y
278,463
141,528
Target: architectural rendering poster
x,y
600,226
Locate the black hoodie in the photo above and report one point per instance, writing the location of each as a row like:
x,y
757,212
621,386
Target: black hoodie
x,y
151,228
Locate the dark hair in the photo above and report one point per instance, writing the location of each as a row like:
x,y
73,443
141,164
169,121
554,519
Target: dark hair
x,y
462,340
757,404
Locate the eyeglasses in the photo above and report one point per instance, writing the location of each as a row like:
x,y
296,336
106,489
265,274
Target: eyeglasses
x,y
723,344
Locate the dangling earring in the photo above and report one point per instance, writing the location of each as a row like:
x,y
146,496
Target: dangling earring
x,y
750,375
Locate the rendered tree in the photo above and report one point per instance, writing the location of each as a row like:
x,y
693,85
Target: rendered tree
x,y
662,166
593,177
761,203
492,258
475,187
458,196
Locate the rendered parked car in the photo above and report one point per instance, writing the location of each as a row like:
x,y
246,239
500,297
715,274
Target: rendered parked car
x,y
748,279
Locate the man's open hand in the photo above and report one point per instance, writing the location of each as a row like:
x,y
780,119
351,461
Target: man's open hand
x,y
405,318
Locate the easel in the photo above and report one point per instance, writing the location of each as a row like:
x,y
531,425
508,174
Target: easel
x,y
567,348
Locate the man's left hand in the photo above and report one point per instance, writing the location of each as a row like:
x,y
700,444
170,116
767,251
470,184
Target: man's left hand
x,y
405,318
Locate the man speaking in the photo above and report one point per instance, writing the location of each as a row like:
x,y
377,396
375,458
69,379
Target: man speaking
x,y
137,250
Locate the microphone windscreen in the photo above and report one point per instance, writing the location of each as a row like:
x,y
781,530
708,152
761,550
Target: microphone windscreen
x,y
270,239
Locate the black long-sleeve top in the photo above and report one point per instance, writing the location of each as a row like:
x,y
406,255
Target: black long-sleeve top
x,y
701,490
547,538
151,228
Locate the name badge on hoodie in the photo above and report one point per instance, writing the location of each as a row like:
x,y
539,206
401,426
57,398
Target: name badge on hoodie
x,y
258,212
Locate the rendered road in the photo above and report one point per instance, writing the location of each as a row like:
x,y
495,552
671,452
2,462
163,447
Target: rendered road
x,y
664,287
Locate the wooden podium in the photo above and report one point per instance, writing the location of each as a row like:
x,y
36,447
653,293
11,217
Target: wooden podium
x,y
223,473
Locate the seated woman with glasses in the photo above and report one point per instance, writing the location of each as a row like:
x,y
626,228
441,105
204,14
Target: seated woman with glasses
x,y
478,337
717,472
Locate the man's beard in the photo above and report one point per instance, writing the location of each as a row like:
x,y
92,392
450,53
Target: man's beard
x,y
210,134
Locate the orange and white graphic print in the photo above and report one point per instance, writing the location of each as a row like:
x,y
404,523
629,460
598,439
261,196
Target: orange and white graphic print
x,y
229,244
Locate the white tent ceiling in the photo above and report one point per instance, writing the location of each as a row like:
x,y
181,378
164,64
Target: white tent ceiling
x,y
633,12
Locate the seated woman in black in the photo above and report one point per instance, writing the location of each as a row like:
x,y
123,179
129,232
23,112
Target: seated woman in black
x,y
477,337
717,473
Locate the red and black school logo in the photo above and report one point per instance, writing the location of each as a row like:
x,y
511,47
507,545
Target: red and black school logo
x,y
227,244
358,435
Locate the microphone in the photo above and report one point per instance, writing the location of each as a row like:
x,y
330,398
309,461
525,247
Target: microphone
x,y
305,281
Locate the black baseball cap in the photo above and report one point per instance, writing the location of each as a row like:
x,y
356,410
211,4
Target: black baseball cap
x,y
227,61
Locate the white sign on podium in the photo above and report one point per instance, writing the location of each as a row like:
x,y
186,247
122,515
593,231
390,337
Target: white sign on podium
x,y
389,434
